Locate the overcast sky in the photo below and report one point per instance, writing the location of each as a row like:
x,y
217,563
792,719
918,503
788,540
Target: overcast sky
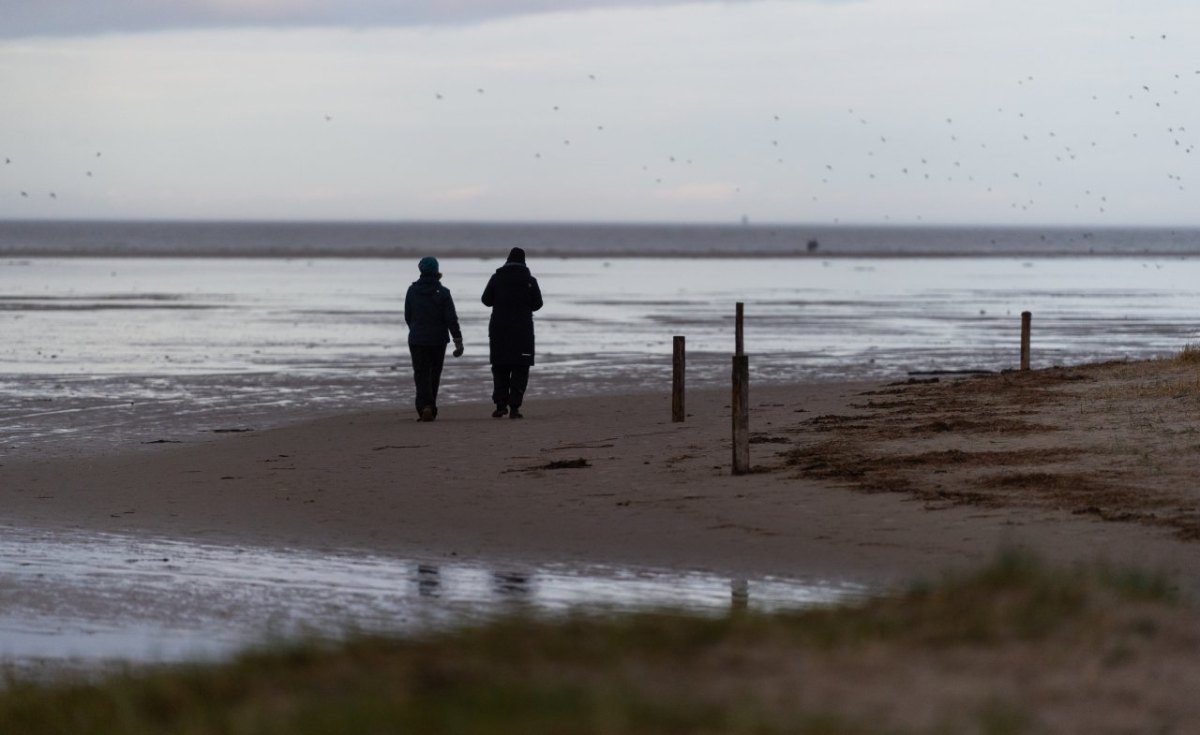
x,y
866,111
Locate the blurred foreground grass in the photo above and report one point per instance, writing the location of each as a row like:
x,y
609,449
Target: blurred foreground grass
x,y
815,671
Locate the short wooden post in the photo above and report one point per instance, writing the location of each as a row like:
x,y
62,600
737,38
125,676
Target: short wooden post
x,y
739,331
677,380
741,414
1026,320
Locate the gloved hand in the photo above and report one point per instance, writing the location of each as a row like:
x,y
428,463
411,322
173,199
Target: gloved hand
x,y
458,348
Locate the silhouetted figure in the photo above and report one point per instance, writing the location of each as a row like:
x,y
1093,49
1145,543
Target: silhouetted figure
x,y
514,294
432,321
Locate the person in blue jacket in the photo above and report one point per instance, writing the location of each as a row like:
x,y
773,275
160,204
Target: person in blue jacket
x,y
514,295
432,322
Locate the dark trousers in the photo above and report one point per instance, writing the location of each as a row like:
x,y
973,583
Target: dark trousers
x,y
427,363
508,384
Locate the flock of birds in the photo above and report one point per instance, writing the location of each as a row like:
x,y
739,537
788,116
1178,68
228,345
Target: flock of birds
x,y
960,150
52,194
1033,158
1030,160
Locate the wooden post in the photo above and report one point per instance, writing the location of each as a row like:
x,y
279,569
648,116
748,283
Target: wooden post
x,y
741,414
1026,319
739,331
677,382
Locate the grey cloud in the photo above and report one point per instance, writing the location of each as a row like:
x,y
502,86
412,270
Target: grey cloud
x,y
89,17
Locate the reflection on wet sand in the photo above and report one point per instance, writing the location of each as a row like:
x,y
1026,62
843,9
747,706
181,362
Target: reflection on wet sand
x,y
512,585
739,595
428,580
89,597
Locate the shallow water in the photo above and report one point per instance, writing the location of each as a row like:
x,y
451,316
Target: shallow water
x,y
88,597
109,351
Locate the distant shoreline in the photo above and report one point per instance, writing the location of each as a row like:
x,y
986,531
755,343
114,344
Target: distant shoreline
x,y
576,255
260,239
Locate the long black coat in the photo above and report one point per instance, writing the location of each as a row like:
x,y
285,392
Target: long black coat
x,y
514,295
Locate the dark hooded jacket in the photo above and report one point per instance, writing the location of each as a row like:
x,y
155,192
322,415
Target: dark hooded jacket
x,y
429,313
514,295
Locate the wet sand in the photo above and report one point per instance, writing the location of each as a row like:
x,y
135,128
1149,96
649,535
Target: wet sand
x,y
603,480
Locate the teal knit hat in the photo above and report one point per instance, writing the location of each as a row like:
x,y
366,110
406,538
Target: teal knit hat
x,y
428,264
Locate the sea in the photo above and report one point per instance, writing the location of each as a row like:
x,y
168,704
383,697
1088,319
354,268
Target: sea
x,y
117,335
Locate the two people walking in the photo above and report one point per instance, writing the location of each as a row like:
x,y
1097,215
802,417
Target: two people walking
x,y
513,295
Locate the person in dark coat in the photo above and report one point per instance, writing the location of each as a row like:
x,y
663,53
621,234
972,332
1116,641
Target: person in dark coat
x,y
513,294
432,321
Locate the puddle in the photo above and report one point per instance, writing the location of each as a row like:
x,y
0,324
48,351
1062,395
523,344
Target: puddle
x,y
86,600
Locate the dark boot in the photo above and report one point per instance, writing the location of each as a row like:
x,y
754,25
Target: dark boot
x,y
500,412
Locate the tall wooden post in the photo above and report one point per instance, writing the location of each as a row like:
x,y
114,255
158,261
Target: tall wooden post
x,y
1026,320
677,380
739,331
741,400
741,414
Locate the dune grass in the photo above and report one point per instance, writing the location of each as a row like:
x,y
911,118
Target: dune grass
x,y
1189,355
638,673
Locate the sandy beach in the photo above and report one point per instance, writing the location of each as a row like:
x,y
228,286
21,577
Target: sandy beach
x,y
612,480
875,484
